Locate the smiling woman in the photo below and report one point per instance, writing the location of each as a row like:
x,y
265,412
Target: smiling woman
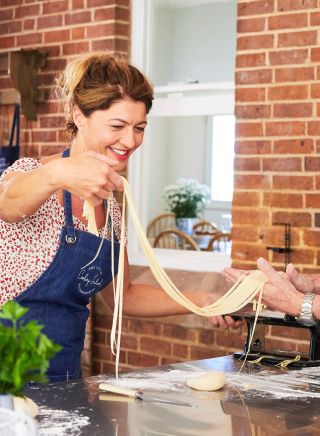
x,y
125,119
50,261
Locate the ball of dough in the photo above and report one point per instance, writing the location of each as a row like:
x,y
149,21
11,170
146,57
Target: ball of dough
x,y
209,381
27,405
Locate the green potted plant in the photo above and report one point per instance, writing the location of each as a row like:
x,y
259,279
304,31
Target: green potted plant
x,y
186,199
24,352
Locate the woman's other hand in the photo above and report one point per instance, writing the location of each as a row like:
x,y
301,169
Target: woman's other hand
x,y
225,321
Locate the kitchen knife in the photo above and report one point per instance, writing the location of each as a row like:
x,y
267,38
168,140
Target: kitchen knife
x,y
139,395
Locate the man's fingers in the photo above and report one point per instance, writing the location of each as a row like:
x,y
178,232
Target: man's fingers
x,y
292,272
267,269
232,274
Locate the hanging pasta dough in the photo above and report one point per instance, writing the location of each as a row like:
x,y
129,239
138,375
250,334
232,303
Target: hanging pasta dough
x,y
241,293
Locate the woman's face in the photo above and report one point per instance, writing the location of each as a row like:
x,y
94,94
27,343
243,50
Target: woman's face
x,y
115,132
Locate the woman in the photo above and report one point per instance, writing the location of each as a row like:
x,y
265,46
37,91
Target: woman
x,y
48,258
290,292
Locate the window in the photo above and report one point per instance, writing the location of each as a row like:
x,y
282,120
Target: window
x,y
187,49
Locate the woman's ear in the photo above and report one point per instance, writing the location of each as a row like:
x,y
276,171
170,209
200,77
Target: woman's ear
x,y
78,118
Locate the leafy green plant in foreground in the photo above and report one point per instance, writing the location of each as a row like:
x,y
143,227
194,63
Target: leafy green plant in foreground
x,y
24,350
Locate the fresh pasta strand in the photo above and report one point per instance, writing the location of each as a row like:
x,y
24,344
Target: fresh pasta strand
x,y
239,295
88,213
287,362
88,207
115,337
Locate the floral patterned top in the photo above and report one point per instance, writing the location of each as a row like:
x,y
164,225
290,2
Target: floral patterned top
x,y
28,247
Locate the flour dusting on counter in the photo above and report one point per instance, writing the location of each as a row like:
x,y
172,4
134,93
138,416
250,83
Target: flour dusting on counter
x,y
171,380
60,422
304,383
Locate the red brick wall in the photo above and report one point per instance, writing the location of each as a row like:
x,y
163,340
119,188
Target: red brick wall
x,y
147,343
62,28
277,146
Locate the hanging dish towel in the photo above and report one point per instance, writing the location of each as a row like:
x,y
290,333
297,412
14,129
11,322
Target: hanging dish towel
x,y
10,153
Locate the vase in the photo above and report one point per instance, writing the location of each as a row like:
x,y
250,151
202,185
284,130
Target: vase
x,y
186,225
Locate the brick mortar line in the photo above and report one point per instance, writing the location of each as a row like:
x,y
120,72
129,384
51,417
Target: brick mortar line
x,y
272,84
282,31
278,13
276,67
271,155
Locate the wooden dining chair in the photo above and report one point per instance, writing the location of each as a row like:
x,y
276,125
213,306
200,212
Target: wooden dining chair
x,y
159,223
219,242
205,228
174,238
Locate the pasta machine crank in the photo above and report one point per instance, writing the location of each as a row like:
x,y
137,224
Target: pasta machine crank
x,y
258,346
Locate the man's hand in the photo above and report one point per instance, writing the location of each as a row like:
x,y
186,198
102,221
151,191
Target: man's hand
x,y
300,281
279,293
233,274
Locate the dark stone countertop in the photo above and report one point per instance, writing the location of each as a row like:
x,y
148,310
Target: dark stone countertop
x,y
261,400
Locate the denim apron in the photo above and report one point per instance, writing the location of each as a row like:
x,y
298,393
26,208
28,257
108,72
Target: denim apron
x,y
58,299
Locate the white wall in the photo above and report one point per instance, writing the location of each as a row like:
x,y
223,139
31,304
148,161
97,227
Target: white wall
x,y
177,150
194,43
157,168
186,143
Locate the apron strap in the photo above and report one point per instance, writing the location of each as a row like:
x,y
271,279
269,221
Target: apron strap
x,y
71,233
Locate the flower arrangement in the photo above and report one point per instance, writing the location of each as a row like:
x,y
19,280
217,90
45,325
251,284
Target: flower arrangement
x,y
187,198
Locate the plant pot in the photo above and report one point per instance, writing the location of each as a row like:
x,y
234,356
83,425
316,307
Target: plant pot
x,y
6,401
186,225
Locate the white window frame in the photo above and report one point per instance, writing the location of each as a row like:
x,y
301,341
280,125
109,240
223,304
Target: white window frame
x,y
185,100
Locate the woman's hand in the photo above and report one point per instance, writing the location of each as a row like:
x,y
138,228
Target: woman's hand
x,y
279,293
224,321
90,176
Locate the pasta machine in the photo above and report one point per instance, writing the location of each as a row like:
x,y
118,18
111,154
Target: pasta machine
x,y
259,348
